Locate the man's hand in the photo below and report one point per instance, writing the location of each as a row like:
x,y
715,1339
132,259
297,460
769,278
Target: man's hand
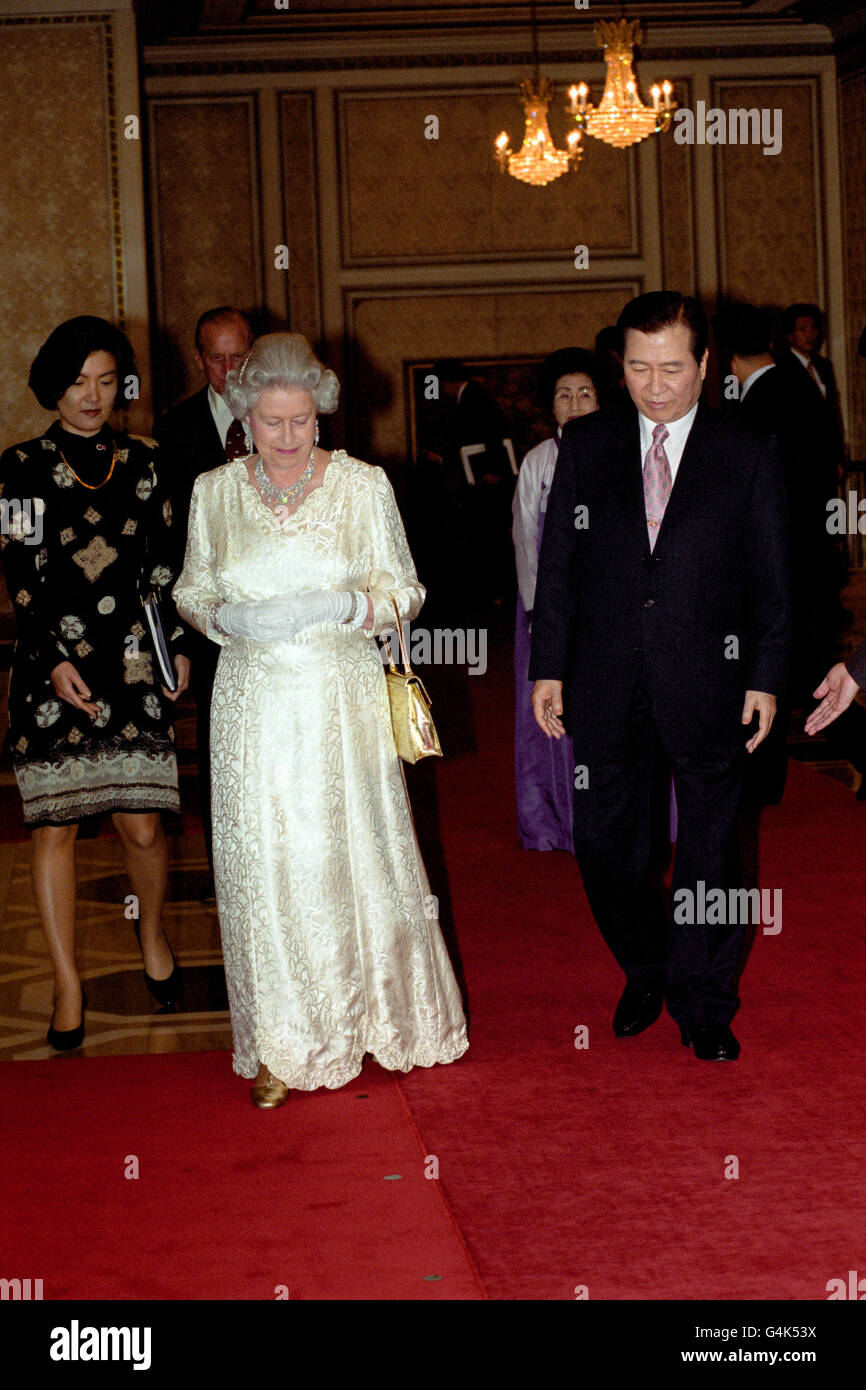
x,y
71,688
765,706
181,666
547,708
835,692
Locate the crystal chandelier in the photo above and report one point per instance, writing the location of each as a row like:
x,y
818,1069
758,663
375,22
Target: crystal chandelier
x,y
539,161
621,119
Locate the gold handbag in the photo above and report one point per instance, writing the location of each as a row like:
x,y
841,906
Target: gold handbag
x,y
414,731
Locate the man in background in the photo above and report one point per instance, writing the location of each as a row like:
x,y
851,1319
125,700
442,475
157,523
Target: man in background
x,y
198,434
471,471
771,398
820,433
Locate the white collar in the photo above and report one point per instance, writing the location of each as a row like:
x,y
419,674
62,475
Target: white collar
x,y
218,404
753,377
678,431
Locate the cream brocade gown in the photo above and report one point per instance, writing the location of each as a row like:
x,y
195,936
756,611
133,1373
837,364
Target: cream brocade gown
x,y
330,946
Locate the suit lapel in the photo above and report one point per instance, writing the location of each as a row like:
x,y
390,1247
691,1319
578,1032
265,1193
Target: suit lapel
x,y
624,467
215,449
696,465
806,375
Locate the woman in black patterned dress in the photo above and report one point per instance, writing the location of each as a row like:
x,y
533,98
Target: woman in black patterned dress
x,y
85,535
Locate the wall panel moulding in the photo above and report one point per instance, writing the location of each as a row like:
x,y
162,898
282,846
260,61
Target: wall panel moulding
x,y
388,33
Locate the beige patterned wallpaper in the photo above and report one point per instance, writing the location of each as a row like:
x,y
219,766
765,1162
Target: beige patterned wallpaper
x,y
768,251
206,249
390,330
297,151
403,247
676,206
853,128
412,198
56,225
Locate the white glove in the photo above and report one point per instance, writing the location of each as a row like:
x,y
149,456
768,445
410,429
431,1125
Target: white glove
x,y
283,617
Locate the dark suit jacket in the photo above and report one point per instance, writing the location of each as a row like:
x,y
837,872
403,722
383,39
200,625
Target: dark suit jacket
x,y
820,436
770,405
774,404
609,614
189,444
474,419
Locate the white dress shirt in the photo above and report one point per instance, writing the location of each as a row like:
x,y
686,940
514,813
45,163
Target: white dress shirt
x,y
222,417
678,433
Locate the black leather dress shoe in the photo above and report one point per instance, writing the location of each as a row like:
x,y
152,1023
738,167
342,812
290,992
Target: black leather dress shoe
x,y
636,1010
713,1042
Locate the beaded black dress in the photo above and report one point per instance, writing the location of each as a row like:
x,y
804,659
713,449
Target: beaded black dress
x,y
85,536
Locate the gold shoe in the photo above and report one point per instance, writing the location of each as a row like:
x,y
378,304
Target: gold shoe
x,y
269,1093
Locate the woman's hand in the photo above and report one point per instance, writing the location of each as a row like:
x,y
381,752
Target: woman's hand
x,y
70,687
181,666
278,619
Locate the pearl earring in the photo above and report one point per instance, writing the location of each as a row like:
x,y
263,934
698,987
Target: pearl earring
x,y
316,440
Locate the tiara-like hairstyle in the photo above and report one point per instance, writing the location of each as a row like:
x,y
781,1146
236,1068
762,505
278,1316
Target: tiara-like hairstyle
x,y
281,360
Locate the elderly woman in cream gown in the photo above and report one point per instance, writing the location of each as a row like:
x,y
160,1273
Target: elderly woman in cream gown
x,y
294,560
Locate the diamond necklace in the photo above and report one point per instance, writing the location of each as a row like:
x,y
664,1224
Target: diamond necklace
x,y
276,497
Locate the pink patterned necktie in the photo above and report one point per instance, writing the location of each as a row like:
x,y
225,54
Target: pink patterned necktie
x,y
657,483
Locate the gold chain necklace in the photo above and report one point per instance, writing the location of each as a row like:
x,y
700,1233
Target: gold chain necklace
x,y
92,487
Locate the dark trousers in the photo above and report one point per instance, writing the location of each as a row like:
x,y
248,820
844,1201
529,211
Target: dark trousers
x,y
204,656
620,840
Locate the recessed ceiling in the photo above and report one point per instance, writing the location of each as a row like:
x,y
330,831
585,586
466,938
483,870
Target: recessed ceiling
x,y
162,20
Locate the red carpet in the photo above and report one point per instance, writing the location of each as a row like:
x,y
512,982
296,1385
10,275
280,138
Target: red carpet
x,y
598,1169
230,1202
605,1167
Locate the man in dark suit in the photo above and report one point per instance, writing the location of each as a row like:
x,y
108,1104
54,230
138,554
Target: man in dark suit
x,y
803,327
196,435
660,628
475,481
821,443
771,398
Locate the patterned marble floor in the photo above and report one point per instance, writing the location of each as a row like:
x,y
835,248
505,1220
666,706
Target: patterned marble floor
x,y
121,1014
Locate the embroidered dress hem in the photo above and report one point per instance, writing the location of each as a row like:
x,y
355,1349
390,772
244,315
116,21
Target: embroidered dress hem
x,y
333,1077
68,789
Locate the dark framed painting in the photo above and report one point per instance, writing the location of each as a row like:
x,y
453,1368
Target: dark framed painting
x,y
511,382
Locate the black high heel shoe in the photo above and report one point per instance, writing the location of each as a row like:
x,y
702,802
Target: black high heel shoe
x,y
66,1039
165,991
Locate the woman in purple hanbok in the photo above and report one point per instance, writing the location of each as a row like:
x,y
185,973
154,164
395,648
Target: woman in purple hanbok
x,y
544,767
